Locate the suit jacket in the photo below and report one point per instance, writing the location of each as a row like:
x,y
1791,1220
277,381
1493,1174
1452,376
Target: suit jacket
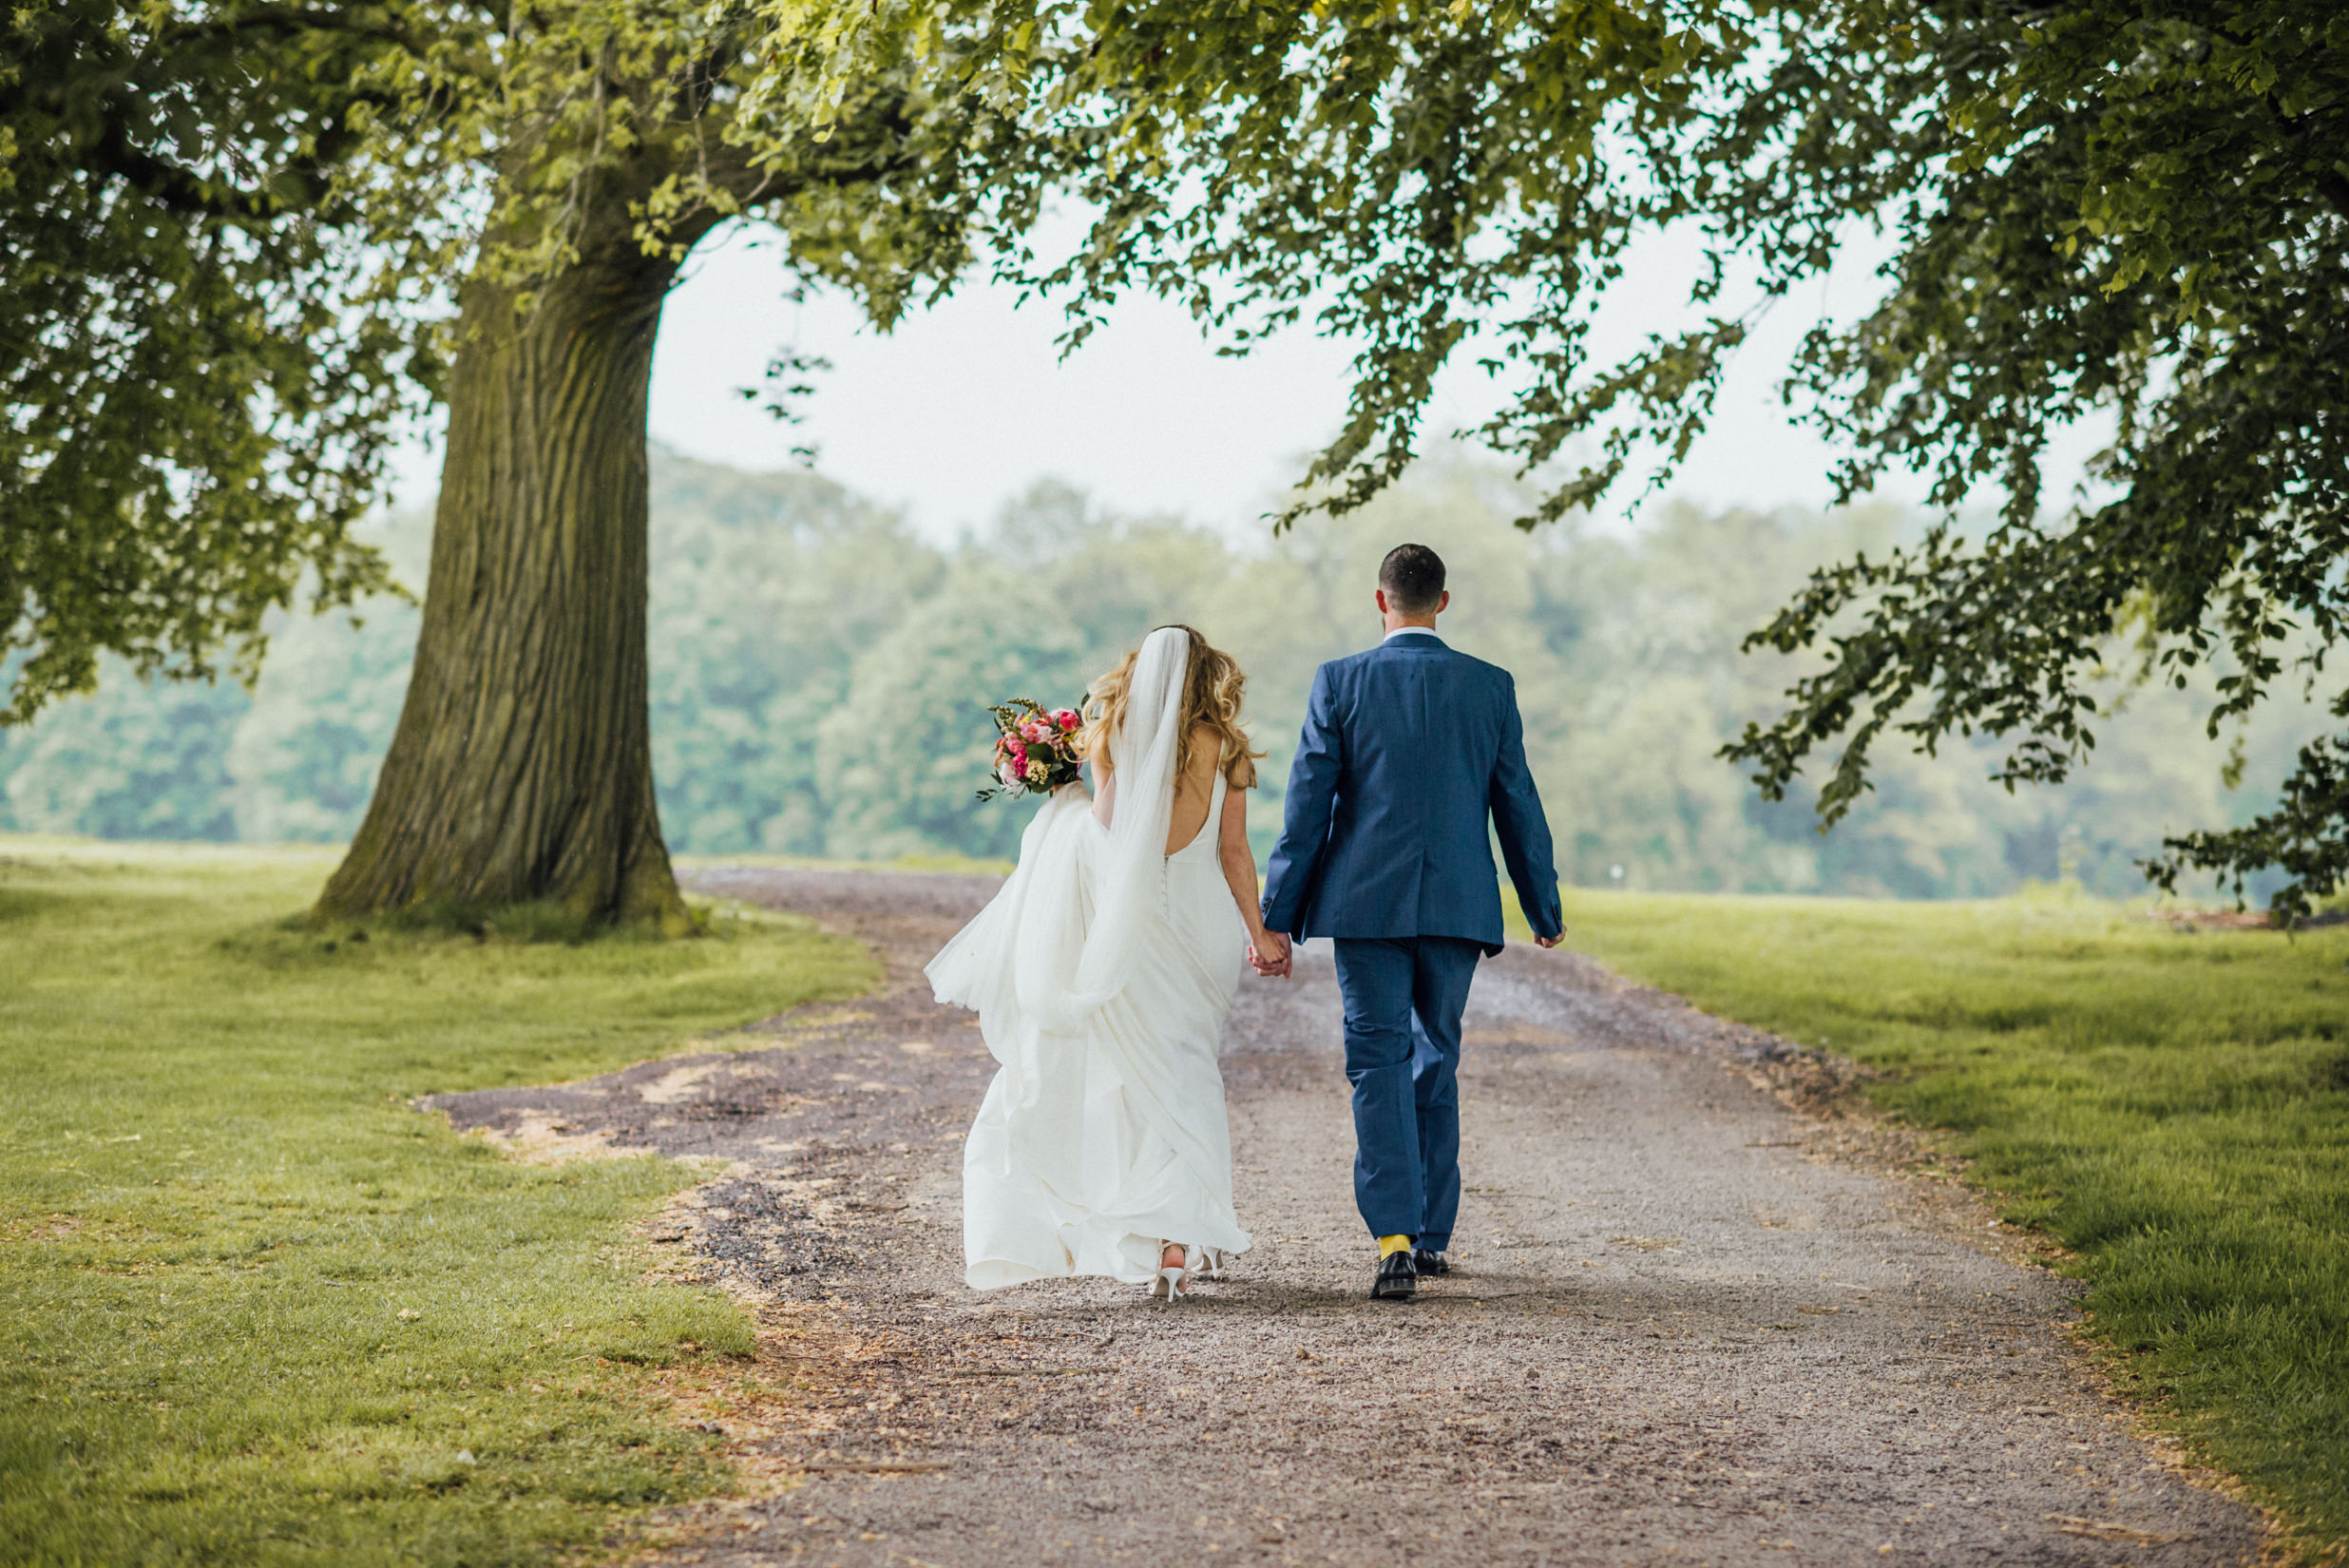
x,y
1407,749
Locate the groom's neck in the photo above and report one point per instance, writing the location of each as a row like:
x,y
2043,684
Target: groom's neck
x,y
1409,623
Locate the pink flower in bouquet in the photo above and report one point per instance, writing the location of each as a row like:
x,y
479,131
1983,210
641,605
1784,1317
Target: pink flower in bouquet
x,y
1067,719
1034,730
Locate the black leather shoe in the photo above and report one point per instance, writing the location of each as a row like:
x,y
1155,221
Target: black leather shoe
x,y
1398,1278
1431,1265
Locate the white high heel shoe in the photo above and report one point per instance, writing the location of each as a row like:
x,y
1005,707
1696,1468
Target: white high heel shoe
x,y
1169,1285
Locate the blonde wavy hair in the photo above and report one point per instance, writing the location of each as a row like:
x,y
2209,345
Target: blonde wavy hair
x,y
1211,696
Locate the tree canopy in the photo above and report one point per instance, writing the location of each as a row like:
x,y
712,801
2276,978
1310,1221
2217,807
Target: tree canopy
x,y
2129,211
199,380
238,235
258,234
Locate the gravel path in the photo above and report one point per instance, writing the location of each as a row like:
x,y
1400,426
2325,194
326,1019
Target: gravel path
x,y
1691,1324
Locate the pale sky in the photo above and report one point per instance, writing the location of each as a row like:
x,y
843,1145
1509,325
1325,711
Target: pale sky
x,y
966,404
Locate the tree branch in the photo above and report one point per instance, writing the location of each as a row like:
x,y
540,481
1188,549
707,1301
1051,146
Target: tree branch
x,y
184,191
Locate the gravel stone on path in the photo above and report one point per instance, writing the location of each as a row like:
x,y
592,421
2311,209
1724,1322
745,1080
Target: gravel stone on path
x,y
1689,1324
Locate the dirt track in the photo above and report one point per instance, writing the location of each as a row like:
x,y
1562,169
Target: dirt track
x,y
1691,1324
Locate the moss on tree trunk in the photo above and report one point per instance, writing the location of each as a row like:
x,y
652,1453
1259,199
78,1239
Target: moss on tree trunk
x,y
522,769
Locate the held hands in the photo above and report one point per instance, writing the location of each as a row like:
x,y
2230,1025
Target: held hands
x,y
1267,955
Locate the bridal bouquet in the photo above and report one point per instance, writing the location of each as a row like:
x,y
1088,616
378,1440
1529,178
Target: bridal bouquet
x,y
1039,750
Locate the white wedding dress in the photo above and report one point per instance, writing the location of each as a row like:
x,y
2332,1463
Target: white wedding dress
x,y
1101,973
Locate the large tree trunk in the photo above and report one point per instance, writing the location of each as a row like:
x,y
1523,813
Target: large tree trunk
x,y
522,767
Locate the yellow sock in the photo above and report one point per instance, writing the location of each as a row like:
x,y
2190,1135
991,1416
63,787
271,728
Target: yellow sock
x,y
1390,1246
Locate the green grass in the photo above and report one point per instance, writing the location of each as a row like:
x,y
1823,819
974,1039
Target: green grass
x,y
253,1309
2174,1109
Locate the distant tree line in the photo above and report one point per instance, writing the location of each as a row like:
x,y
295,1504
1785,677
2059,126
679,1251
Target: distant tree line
x,y
817,670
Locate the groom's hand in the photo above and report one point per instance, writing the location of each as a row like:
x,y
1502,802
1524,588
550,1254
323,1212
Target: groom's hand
x,y
1268,955
1549,941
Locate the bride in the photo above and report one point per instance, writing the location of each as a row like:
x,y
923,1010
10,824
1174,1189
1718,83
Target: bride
x,y
1102,974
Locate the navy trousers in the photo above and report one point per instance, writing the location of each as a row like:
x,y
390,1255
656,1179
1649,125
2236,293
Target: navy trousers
x,y
1404,996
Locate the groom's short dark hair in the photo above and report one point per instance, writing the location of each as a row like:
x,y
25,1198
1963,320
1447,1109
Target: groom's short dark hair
x,y
1413,578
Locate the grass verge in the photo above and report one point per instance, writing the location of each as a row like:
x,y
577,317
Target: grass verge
x,y
2174,1109
253,1309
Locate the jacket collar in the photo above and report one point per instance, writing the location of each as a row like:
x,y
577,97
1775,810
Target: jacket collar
x,y
1413,637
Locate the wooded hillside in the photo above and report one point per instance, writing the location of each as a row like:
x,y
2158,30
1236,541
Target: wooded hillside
x,y
817,670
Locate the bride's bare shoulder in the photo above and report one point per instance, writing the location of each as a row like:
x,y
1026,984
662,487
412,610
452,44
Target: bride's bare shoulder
x,y
1208,742
1206,751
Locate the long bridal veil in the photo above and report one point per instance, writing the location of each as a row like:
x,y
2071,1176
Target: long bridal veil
x,y
1056,943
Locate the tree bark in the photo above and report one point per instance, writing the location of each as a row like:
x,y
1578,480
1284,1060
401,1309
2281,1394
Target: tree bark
x,y
522,769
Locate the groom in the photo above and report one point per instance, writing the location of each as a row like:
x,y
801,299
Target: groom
x,y
1406,750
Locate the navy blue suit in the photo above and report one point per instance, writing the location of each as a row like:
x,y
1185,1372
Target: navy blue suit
x,y
1408,751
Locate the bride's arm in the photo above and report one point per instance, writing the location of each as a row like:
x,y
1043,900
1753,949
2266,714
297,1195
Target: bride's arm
x,y
1239,868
